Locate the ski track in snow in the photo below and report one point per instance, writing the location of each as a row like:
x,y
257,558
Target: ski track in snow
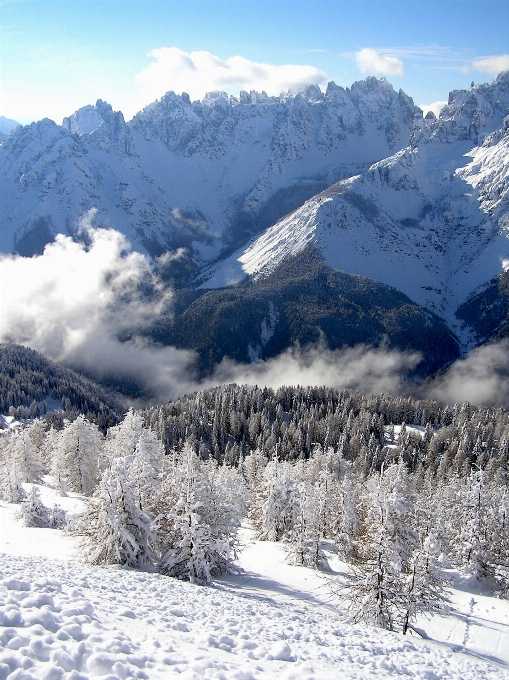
x,y
62,620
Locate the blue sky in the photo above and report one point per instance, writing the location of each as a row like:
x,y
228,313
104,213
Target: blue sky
x,y
58,56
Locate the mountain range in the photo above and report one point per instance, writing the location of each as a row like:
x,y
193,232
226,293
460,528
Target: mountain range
x,y
343,215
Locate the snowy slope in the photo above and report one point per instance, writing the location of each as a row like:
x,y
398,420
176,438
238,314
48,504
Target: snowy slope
x,y
431,220
60,619
195,174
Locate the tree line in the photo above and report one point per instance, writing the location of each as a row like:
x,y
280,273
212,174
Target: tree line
x,y
226,423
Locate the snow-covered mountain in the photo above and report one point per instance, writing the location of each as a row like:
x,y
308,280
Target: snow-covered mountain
x,y
354,180
199,175
431,220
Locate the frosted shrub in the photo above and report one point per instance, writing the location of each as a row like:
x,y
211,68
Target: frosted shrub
x,y
32,511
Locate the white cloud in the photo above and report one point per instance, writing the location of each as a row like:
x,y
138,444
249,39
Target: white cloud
x,y
200,72
435,107
371,61
368,369
492,65
74,301
481,378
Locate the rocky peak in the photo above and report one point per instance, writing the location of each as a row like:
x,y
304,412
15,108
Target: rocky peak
x,y
469,115
84,121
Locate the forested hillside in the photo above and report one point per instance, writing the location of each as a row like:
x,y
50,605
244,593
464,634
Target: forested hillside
x,y
28,380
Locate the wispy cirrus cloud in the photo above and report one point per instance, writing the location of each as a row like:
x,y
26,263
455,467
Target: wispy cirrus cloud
x,y
372,61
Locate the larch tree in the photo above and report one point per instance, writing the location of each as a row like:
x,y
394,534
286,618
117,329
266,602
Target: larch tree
x,y
114,529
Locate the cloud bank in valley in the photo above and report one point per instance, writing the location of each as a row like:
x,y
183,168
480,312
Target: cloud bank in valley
x,y
75,301
200,72
368,369
481,378
84,302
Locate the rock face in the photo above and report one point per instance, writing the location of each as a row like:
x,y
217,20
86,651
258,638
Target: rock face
x,y
199,175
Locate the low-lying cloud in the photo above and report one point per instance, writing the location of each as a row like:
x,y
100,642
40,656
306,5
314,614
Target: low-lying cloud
x,y
481,378
75,301
371,61
368,369
85,303
200,72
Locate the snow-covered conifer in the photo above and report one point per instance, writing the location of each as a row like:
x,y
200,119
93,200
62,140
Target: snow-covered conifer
x,y
424,586
387,542
57,517
114,529
197,528
303,539
143,456
20,464
273,503
76,455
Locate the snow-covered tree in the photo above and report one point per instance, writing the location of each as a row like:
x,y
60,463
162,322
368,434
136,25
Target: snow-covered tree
x,y
386,544
114,529
143,457
122,439
424,586
38,435
197,528
76,455
57,517
20,464
33,512
273,503
303,539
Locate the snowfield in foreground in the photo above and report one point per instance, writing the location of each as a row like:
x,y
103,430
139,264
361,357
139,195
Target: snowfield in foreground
x,y
62,620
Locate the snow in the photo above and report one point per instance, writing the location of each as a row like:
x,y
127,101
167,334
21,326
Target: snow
x,y
8,423
62,620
